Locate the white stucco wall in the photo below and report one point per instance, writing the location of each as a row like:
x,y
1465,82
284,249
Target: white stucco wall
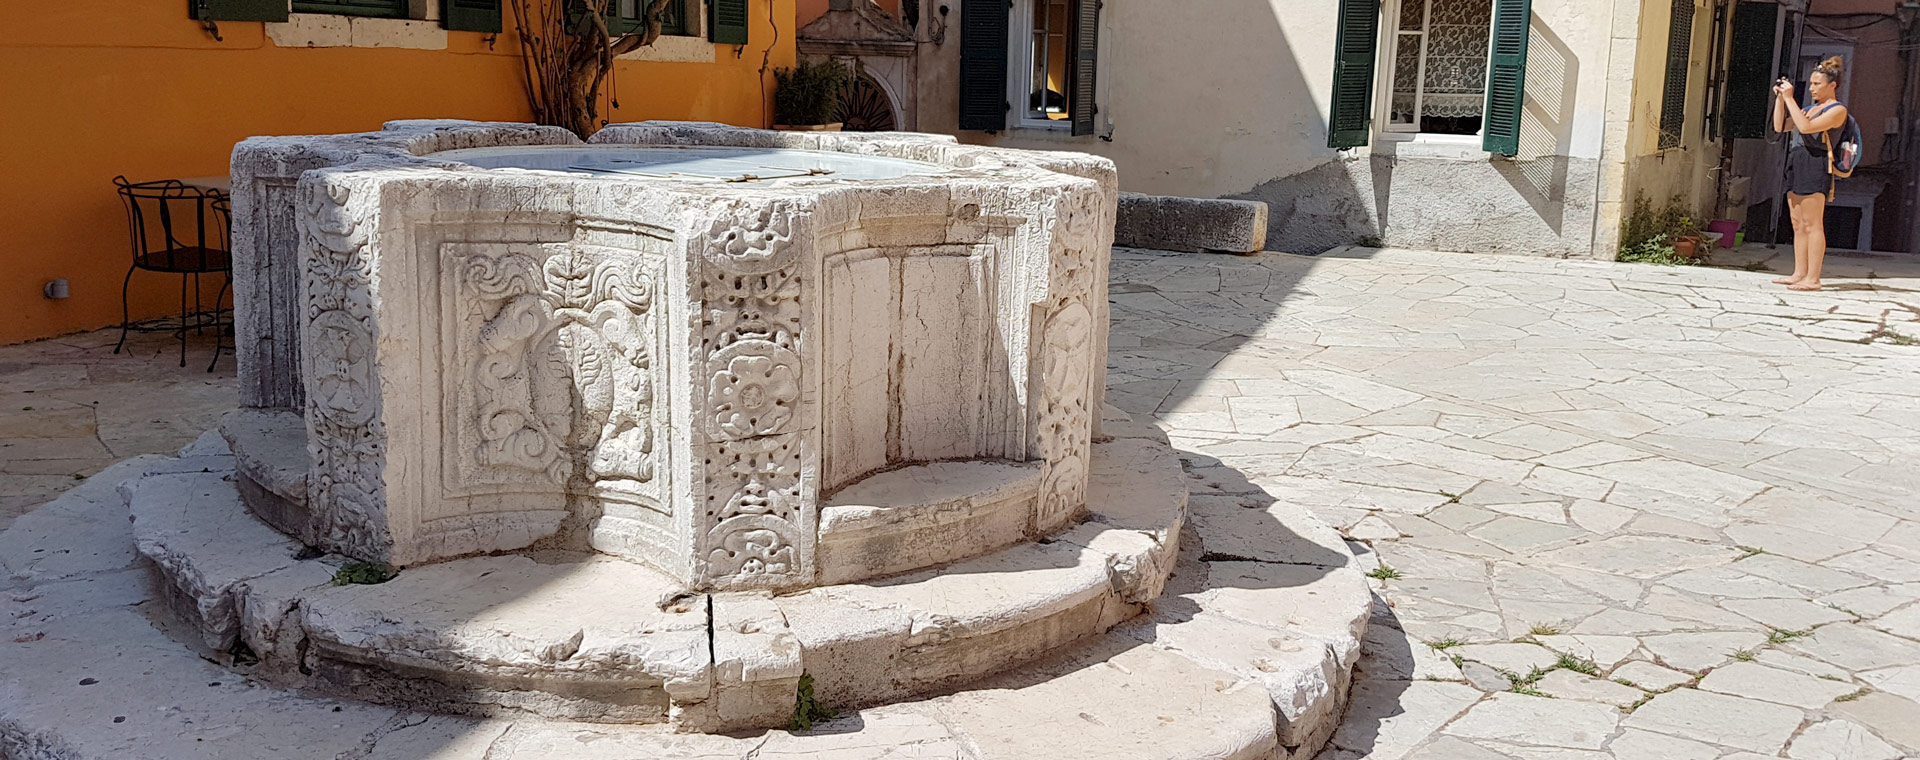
x,y
1212,98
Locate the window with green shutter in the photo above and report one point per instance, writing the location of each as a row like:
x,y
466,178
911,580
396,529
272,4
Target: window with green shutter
x,y
1507,76
1351,121
377,8
1673,103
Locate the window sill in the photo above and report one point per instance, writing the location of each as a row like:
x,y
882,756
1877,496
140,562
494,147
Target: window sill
x,y
1430,145
334,30
668,48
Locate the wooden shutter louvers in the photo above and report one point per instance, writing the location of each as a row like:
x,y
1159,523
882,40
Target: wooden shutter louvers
x,y
470,15
727,21
237,10
1507,77
1749,95
1086,55
1351,120
983,64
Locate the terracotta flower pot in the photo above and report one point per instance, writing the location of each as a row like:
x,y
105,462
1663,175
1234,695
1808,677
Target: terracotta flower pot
x,y
834,127
1687,247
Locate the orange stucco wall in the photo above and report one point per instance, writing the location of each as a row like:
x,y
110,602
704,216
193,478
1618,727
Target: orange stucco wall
x,y
97,88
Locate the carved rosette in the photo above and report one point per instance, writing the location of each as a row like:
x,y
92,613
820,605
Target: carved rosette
x,y
758,523
347,438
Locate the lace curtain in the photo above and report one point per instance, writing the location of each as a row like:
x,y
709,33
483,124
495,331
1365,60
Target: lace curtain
x,y
1456,37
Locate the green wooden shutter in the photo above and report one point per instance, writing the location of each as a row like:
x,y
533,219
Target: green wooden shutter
x,y
1748,93
983,64
727,21
1354,50
1086,53
1507,76
1673,101
470,15
238,10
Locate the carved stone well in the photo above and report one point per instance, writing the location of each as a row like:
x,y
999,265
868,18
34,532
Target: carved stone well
x,y
688,346
682,362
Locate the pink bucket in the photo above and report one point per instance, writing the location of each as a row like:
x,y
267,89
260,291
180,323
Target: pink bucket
x,y
1727,229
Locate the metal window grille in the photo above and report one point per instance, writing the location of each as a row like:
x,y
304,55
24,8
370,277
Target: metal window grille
x,y
379,8
1673,106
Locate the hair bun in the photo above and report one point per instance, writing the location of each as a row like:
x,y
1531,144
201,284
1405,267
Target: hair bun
x,y
1834,66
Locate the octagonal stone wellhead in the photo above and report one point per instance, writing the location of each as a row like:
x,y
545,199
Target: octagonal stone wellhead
x,y
747,359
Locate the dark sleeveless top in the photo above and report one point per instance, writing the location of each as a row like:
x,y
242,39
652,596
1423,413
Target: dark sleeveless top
x,y
1807,160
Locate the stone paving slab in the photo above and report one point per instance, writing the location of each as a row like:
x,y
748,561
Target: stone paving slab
x,y
1655,513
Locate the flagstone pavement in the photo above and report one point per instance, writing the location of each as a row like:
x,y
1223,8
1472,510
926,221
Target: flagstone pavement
x,y
1616,512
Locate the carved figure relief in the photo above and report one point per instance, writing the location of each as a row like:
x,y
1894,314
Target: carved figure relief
x,y
754,456
347,441
561,382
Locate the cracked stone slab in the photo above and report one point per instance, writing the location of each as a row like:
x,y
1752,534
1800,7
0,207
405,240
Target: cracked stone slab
x,y
1719,719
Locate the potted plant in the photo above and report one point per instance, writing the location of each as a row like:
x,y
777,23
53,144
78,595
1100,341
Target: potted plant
x,y
807,97
1686,238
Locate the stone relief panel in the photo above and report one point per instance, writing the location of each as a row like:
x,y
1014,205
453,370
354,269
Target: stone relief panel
x,y
757,513
1063,433
346,435
554,377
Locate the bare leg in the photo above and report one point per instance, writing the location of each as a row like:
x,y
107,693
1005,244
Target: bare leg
x,y
1794,203
1813,209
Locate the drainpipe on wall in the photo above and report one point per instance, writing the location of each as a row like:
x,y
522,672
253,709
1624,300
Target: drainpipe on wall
x,y
1908,13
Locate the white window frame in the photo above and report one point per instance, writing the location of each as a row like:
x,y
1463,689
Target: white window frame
x,y
1020,69
1384,69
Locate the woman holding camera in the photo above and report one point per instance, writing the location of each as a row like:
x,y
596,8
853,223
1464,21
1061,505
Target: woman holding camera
x,y
1808,181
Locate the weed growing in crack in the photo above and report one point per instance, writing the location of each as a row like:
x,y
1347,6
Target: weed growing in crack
x,y
1894,337
1531,692
1780,636
1452,498
1849,697
1577,665
1545,629
1383,573
1638,702
1627,683
1446,644
1744,655
1751,551
806,711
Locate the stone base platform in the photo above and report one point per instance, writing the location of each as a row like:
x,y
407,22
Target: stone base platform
x,y
1246,655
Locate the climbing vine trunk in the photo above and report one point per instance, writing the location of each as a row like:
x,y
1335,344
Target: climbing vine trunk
x,y
568,52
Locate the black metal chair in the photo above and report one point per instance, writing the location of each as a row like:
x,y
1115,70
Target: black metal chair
x,y
178,229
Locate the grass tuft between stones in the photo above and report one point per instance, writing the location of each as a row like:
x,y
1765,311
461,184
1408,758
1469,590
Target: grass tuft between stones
x,y
1384,573
363,573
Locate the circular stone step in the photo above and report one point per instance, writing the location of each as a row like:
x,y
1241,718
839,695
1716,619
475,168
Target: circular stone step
x,y
581,636
1243,657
